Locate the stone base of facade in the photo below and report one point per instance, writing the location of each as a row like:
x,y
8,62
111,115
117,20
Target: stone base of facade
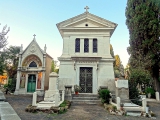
x,y
23,92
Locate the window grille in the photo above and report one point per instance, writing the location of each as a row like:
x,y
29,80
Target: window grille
x,y
32,64
77,45
86,45
94,45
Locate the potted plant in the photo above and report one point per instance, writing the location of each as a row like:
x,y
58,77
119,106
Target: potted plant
x,y
77,89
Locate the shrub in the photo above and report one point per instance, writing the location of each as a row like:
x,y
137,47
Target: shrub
x,y
117,73
141,77
104,94
150,90
11,85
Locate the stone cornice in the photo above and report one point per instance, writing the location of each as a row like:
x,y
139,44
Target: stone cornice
x,y
65,25
86,58
89,16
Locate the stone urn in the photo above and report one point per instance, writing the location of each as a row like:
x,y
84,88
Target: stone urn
x,y
149,95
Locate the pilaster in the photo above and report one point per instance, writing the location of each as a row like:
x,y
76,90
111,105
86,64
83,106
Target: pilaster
x,y
81,46
65,45
90,46
42,82
17,83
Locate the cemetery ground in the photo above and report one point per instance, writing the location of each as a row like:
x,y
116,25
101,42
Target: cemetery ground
x,y
76,111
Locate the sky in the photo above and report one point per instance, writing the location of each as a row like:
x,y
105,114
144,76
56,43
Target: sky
x,y
28,17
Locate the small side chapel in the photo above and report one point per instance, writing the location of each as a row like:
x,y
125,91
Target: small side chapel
x,y
33,69
86,60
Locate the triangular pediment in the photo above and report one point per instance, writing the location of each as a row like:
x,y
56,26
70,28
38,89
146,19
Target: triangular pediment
x,y
86,23
86,18
33,47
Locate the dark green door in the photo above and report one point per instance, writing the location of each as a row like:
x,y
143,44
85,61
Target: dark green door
x,y
31,83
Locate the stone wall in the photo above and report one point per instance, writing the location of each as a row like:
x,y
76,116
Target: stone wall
x,y
47,72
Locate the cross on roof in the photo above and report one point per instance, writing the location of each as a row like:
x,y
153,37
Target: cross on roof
x,y
34,36
86,8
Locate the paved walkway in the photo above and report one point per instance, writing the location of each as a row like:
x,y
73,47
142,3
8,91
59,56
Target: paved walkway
x,y
6,110
76,112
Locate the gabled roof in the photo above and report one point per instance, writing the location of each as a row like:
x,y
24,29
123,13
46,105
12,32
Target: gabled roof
x,y
33,41
86,16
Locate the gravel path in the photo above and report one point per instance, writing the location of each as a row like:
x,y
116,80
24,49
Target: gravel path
x,y
76,112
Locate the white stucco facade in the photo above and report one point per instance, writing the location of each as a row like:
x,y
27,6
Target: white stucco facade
x,y
86,26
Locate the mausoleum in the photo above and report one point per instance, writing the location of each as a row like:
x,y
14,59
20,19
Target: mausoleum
x,y
86,59
33,69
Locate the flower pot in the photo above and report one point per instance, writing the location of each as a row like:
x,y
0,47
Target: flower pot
x,y
76,93
116,79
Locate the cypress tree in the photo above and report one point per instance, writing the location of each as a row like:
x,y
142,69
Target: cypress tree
x,y
143,22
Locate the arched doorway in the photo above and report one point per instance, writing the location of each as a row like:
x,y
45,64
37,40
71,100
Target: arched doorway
x,y
31,83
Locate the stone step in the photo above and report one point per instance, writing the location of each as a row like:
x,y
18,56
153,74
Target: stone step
x,y
85,95
133,108
43,107
86,101
46,102
2,97
133,113
85,98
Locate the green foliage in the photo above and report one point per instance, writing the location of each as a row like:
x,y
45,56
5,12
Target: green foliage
x,y
104,94
63,104
150,90
11,57
118,67
62,111
114,108
11,85
2,65
117,73
31,109
77,88
5,86
133,91
140,76
144,29
53,67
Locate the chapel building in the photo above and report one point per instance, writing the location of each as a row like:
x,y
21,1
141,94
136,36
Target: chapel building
x,y
86,60
33,70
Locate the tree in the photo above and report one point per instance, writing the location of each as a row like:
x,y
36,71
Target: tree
x,y
3,43
117,61
3,40
11,56
54,66
144,29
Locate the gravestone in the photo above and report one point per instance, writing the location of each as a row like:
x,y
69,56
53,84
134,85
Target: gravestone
x,y
122,90
52,93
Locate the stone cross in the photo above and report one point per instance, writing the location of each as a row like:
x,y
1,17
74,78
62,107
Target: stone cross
x,y
34,36
86,8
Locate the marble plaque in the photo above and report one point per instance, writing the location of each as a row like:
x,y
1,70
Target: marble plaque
x,y
122,83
